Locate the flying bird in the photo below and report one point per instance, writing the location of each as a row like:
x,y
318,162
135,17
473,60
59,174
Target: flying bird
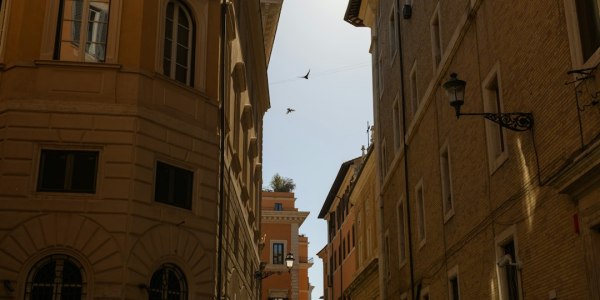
x,y
305,76
289,110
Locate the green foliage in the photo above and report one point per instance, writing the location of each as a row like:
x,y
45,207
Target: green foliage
x,y
282,184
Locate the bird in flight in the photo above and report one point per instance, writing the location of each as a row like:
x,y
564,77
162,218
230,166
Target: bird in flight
x,y
305,76
289,110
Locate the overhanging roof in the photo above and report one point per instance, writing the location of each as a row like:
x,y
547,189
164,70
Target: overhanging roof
x,y
352,12
335,187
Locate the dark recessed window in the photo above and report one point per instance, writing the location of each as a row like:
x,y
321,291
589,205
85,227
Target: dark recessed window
x,y
278,206
278,253
56,277
68,171
168,283
173,185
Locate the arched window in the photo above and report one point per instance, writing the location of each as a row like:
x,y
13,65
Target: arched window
x,y
168,283
178,51
57,277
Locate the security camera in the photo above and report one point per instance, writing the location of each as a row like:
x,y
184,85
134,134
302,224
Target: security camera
x,y
506,260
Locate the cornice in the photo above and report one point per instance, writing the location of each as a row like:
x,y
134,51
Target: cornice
x,y
287,217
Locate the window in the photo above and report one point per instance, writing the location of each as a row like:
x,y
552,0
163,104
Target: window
x,y
453,284
436,38
278,206
396,117
68,171
496,139
82,30
343,249
583,28
178,51
173,185
353,236
401,232
56,277
3,9
278,253
414,95
393,34
168,283
507,264
380,75
420,200
388,256
383,160
448,203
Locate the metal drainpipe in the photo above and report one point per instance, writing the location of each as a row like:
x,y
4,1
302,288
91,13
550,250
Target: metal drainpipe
x,y
406,181
221,208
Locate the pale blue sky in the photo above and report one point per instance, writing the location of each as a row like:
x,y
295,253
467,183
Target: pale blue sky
x,y
332,107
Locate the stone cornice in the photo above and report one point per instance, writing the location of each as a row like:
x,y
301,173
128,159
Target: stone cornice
x,y
288,217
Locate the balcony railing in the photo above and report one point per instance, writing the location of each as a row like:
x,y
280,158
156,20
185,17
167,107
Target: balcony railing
x,y
305,260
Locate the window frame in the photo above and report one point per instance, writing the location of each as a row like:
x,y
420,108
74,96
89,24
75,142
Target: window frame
x,y
576,48
69,171
49,32
189,203
396,121
278,206
435,27
166,267
505,237
178,7
495,134
4,16
393,33
414,90
421,222
401,222
453,275
272,252
83,38
55,258
446,182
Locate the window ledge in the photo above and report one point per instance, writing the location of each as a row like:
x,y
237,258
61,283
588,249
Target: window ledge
x,y
76,64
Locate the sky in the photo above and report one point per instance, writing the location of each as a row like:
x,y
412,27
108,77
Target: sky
x,y
332,107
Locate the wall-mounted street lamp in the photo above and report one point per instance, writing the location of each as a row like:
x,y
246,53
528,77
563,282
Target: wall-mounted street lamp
x,y
517,121
289,263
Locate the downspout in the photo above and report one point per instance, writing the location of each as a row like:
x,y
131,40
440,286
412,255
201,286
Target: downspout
x,y
221,208
406,181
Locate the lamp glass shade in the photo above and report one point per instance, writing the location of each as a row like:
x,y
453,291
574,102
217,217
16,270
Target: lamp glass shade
x,y
289,260
456,90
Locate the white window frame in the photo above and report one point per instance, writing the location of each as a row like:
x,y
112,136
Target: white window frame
x,y
453,274
435,26
401,222
446,182
420,207
494,104
509,234
414,89
575,38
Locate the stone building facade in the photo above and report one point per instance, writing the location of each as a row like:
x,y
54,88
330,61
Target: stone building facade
x,y
364,200
470,209
280,223
116,172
